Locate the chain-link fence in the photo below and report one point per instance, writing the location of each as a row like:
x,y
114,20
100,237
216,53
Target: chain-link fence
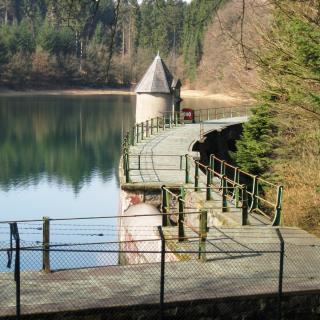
x,y
162,278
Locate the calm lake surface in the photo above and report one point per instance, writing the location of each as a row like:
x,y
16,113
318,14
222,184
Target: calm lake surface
x,y
59,157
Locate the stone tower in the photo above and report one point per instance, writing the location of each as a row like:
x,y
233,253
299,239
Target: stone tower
x,y
158,92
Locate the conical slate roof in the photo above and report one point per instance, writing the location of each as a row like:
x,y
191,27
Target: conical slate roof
x,y
157,79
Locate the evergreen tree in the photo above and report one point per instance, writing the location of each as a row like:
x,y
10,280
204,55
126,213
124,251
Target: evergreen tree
x,y
258,141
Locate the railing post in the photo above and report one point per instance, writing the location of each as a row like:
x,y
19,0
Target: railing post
x,y
236,191
133,138
46,244
165,206
163,123
203,229
139,161
244,205
196,176
223,168
137,136
170,121
127,168
152,126
209,181
187,169
157,124
254,193
181,219
211,163
278,217
142,131
224,194
147,129
162,271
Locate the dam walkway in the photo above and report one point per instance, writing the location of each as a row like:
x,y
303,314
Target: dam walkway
x,y
165,152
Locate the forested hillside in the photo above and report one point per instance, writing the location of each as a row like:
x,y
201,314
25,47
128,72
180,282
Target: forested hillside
x,y
96,43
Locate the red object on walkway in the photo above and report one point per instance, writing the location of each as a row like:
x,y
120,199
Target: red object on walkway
x,y
188,114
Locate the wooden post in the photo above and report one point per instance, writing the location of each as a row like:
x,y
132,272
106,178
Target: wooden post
x,y
187,169
244,206
203,229
196,176
181,234
224,194
46,244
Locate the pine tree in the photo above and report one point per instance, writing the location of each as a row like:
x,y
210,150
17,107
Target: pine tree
x,y
258,140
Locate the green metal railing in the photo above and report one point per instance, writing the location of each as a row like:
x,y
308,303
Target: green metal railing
x,y
231,180
228,177
213,113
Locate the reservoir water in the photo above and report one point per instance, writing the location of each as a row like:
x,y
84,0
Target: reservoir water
x,y
59,157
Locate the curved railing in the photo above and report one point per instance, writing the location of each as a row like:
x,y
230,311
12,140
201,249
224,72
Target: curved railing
x,y
264,197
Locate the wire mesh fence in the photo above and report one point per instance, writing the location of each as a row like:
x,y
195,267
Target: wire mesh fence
x,y
161,278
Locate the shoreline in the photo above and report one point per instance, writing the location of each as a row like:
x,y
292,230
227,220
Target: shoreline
x,y
185,94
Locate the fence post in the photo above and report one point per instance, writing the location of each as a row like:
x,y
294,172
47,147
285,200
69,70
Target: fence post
x,y
139,161
187,169
244,205
224,194
46,244
162,271
181,234
163,123
278,217
170,121
203,228
165,206
127,168
152,126
196,176
157,124
147,129
280,274
15,235
209,181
